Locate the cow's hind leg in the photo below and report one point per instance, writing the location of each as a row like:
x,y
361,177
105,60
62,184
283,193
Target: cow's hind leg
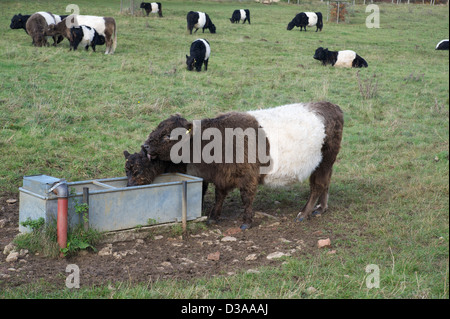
x,y
248,193
319,183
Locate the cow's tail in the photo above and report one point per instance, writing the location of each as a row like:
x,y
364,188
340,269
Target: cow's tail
x,y
114,42
319,20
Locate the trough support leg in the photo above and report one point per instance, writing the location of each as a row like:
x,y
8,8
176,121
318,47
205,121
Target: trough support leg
x,y
184,209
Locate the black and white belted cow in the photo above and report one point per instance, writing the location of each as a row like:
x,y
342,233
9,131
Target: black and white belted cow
x,y
199,20
152,7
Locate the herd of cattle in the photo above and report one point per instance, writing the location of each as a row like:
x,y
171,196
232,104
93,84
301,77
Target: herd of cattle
x,y
90,31
301,140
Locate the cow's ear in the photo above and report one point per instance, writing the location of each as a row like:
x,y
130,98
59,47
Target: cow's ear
x,y
126,154
144,150
189,129
187,56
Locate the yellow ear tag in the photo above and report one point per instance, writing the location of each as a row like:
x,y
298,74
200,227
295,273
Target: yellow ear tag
x,y
188,131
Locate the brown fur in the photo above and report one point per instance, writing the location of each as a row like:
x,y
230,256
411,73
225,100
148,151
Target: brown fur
x,y
225,176
110,32
35,27
59,29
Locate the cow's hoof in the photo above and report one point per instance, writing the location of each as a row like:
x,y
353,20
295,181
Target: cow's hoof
x,y
245,226
299,219
316,213
211,221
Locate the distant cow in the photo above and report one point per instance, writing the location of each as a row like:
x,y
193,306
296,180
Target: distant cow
x,y
442,45
240,15
199,20
307,19
346,58
199,54
152,7
141,170
19,21
86,36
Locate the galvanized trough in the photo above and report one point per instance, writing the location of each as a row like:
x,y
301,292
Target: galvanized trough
x,y
113,205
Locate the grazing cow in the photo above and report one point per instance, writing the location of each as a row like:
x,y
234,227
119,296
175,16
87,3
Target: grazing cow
x,y
141,170
442,45
199,54
105,26
240,15
346,58
86,36
36,25
276,146
307,19
199,20
153,7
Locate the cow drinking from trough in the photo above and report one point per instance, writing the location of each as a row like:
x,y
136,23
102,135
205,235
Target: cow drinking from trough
x,y
142,170
279,146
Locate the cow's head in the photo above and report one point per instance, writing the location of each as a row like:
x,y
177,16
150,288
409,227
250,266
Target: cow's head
x,y
140,170
190,62
17,22
51,30
159,143
212,28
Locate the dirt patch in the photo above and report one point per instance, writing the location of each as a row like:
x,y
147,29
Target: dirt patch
x,y
221,249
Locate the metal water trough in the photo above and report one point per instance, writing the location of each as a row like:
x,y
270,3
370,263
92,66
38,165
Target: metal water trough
x,y
113,205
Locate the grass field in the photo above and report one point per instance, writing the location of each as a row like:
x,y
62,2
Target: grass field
x,y
71,115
